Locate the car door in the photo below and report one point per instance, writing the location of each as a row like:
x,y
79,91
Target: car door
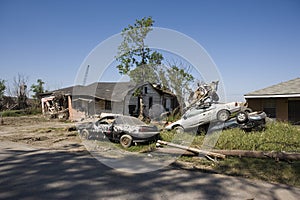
x,y
209,114
197,116
193,118
104,125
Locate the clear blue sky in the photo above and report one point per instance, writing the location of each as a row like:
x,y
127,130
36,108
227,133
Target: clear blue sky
x,y
254,43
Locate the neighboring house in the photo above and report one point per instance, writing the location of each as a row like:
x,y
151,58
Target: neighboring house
x,y
281,101
108,97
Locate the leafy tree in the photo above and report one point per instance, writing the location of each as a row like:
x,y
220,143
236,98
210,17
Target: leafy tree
x,y
142,64
2,88
136,59
37,89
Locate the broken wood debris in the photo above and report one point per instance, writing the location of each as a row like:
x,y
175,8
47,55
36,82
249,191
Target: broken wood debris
x,y
194,150
190,151
260,154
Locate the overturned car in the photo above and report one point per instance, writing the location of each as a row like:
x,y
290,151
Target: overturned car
x,y
254,121
247,121
119,128
201,115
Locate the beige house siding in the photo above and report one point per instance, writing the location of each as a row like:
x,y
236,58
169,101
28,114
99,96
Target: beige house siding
x,y
281,105
282,109
255,104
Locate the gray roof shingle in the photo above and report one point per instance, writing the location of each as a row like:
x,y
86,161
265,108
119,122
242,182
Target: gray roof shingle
x,y
112,91
291,87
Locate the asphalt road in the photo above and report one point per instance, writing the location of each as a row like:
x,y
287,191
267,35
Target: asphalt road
x,y
28,173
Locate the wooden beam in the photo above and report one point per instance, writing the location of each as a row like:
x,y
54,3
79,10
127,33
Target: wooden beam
x,y
194,150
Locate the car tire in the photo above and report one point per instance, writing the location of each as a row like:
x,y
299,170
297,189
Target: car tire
x,y
126,140
248,110
242,117
215,97
179,129
84,133
223,115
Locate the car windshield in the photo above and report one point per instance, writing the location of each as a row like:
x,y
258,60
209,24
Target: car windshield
x,y
129,121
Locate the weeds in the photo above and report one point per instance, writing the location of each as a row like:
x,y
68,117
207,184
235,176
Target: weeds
x,y
277,136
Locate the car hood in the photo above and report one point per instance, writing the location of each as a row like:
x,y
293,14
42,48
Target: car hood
x,y
177,123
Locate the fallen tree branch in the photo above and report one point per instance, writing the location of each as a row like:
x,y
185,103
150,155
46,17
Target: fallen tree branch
x,y
194,150
260,154
190,151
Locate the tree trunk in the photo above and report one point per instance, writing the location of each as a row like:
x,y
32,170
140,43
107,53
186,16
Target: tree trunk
x,y
194,150
260,154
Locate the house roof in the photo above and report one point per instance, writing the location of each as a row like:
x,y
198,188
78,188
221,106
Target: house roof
x,y
113,91
289,88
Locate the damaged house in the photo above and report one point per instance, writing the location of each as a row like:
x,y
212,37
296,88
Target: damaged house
x,y
126,98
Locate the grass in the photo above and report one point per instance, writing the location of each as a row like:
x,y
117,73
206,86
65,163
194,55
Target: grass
x,y
19,113
254,168
277,137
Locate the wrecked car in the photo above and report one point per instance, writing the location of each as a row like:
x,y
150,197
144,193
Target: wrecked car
x,y
248,121
254,121
119,128
201,115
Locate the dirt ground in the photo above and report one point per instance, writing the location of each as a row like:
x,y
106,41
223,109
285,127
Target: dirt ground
x,y
41,132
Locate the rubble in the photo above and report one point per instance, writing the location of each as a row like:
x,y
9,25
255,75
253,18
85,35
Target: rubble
x,y
55,106
203,93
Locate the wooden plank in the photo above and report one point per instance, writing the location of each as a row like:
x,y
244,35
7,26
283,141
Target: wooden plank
x,y
191,149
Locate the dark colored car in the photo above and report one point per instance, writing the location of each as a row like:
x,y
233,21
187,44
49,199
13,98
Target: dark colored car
x,y
119,128
254,121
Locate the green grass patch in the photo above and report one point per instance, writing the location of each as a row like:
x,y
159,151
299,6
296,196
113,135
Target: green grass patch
x,y
19,113
141,148
260,169
277,136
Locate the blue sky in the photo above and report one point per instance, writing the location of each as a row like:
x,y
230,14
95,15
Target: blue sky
x,y
254,43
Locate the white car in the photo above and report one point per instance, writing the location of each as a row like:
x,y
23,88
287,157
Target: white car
x,y
199,116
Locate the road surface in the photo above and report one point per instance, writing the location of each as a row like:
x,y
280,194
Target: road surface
x,y
28,172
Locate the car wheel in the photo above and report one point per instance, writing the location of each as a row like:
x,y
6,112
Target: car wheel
x,y
242,117
248,110
223,115
179,129
84,133
126,141
214,96
203,129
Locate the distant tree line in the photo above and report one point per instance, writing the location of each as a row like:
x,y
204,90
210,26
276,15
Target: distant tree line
x,y
18,93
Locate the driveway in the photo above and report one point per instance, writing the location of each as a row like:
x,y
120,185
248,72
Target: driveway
x,y
28,172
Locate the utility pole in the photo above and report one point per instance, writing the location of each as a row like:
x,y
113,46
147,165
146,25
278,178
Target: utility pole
x,y
85,75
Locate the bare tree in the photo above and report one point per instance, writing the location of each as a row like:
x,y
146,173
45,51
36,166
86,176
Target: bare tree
x,y
20,91
176,76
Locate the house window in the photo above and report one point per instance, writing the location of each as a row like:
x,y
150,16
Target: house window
x,y
145,90
270,107
107,105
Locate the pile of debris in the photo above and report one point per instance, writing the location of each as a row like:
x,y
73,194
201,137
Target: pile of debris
x,y
56,106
